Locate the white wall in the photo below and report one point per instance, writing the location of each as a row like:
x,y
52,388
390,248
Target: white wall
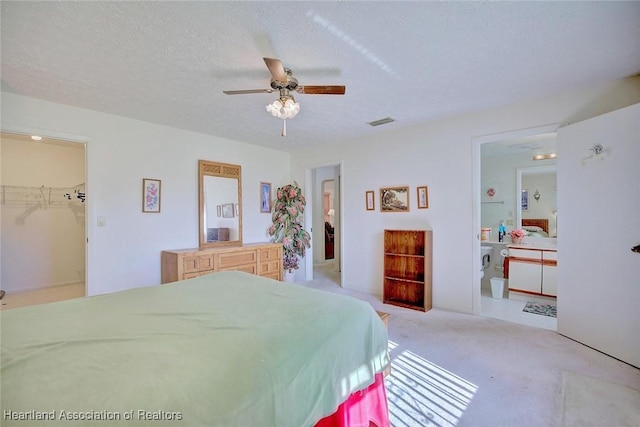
x,y
120,152
439,155
42,237
126,253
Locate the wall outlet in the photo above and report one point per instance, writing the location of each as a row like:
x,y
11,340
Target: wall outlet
x,y
102,221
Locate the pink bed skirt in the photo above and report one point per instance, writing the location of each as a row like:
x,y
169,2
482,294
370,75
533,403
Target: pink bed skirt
x,y
361,408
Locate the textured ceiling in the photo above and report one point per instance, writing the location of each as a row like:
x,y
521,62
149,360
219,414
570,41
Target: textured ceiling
x,y
168,62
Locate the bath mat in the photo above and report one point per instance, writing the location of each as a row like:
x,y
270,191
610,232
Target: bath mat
x,y
542,309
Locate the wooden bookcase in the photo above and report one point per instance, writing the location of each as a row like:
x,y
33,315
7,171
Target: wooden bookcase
x,y
407,268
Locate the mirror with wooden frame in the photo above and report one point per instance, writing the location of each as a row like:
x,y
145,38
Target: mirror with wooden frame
x,y
220,204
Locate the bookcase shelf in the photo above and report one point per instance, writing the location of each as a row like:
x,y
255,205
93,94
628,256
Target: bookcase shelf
x,y
407,268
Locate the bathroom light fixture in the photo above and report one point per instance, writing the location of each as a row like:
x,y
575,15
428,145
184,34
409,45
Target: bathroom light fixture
x,y
537,195
284,108
545,156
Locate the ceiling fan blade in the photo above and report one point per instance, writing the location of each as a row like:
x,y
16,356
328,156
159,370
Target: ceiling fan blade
x,y
242,92
276,69
321,90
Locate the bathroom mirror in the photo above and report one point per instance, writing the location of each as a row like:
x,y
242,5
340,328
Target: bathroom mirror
x,y
220,204
539,185
507,168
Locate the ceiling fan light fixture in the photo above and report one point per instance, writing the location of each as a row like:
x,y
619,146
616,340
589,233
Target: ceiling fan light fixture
x,y
284,108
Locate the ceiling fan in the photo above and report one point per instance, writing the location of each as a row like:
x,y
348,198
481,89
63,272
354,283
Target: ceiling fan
x,y
282,81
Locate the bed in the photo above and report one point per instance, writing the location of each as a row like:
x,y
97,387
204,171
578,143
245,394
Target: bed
x,y
536,227
225,349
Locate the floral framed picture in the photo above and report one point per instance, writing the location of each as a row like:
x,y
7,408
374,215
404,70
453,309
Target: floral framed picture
x,y
394,199
370,202
228,210
151,195
265,197
423,197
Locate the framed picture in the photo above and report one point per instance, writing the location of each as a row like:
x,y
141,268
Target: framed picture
x,y
423,197
228,210
525,200
265,197
151,195
394,199
219,210
370,202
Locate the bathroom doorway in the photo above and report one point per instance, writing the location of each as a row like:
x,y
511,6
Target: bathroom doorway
x,y
497,160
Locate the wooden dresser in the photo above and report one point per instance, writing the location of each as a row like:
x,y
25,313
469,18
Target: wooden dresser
x,y
263,259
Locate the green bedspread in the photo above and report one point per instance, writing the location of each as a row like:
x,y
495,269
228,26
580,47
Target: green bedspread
x,y
226,349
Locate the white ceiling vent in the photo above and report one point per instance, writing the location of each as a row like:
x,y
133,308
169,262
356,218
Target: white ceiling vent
x,y
381,121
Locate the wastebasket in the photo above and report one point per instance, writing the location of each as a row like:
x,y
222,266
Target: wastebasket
x,y
497,287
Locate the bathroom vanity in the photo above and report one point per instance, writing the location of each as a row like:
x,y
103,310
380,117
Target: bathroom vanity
x,y
532,269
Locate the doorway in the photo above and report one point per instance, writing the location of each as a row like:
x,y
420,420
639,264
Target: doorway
x,y
43,227
325,216
498,164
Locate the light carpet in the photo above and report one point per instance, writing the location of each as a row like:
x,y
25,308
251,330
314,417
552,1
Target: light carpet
x,y
457,370
589,401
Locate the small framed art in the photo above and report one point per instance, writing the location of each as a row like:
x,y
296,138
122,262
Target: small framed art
x,y
423,197
265,197
394,199
228,210
151,195
370,202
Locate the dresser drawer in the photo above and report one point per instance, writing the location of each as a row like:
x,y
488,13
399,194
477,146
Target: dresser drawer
x,y
196,263
269,254
249,268
270,267
274,276
192,275
232,259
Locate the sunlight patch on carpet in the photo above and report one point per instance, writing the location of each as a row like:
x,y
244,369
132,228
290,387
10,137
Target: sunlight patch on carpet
x,y
421,393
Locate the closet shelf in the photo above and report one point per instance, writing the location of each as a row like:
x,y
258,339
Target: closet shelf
x,y
16,194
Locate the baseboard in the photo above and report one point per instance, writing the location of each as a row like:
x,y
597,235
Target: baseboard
x,y
42,287
519,296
